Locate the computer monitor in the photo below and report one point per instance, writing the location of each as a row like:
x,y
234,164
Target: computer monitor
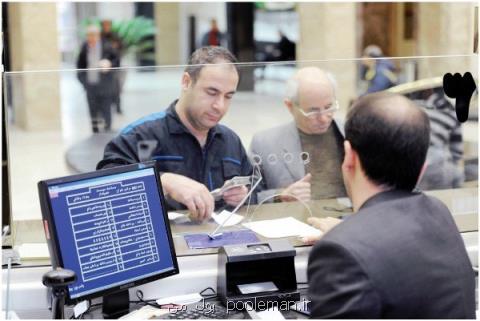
x,y
110,227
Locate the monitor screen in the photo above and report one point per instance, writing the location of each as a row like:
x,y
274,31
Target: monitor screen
x,y
110,227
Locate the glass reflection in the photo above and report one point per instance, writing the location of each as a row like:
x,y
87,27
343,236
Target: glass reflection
x,y
49,126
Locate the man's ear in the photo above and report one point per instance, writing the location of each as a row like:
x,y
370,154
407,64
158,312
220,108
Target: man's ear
x,y
289,105
186,80
422,171
351,158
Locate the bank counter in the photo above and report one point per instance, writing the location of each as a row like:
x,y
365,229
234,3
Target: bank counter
x,y
198,267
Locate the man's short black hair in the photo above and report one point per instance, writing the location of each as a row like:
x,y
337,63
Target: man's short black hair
x,y
208,55
391,137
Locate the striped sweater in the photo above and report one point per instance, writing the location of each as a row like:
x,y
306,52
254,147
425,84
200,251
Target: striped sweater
x,y
446,140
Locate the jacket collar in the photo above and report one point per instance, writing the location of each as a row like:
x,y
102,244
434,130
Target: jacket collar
x,y
386,196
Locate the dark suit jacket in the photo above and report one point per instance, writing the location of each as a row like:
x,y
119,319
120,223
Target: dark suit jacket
x,y
399,256
106,84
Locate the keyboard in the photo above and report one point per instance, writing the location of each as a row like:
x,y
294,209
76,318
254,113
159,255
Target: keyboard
x,y
193,311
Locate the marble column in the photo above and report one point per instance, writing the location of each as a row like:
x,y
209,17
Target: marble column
x,y
328,32
33,46
167,39
445,29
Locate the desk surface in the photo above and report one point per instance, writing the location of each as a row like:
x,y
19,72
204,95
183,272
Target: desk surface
x,y
31,231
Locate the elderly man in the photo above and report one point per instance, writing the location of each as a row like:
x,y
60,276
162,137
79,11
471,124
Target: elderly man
x,y
99,81
400,255
302,159
195,154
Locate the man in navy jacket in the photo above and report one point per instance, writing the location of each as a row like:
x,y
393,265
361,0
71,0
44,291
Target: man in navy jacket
x,y
194,153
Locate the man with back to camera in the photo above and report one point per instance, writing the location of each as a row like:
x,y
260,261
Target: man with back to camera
x,y
194,153
312,143
400,255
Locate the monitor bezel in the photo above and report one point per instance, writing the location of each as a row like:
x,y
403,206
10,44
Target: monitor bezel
x,y
53,239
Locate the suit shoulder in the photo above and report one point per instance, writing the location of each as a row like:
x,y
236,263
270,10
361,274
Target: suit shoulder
x,y
145,124
273,133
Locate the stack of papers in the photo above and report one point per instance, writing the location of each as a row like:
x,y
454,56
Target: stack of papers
x,y
282,227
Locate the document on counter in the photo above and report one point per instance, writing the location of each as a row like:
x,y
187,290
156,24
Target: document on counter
x,y
465,205
33,251
282,227
224,218
174,215
345,201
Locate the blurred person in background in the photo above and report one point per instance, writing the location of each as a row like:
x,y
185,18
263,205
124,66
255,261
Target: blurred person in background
x,y
110,37
98,80
213,37
378,71
445,153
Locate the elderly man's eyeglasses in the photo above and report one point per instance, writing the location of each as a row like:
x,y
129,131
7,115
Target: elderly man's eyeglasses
x,y
315,111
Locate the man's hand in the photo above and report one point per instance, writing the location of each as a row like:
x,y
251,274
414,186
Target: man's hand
x,y
301,189
234,195
194,195
104,64
322,224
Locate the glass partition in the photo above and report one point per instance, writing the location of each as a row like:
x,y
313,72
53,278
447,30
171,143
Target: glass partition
x,y
58,126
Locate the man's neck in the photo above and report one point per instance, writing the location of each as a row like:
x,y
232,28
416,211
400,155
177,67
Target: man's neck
x,y
200,135
363,192
300,131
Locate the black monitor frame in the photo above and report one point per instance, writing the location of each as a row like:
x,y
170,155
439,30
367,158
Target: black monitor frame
x,y
53,239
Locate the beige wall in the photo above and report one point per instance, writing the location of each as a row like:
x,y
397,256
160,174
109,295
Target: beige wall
x,y
167,39
328,31
445,29
33,43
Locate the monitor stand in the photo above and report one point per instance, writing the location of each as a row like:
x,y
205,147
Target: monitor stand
x,y
116,304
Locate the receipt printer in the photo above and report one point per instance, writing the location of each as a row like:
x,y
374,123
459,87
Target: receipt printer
x,y
257,274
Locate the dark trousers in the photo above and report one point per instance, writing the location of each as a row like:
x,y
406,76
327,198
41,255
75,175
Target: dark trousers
x,y
99,106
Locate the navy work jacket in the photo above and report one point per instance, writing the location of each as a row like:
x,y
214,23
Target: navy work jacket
x,y
178,151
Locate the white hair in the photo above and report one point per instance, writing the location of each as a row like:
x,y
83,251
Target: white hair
x,y
293,84
93,29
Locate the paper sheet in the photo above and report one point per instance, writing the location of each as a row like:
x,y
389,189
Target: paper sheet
x,y
33,251
345,201
282,227
181,299
174,215
223,215
465,205
271,314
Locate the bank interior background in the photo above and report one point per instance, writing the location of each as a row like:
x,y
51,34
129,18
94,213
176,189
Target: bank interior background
x,y
46,129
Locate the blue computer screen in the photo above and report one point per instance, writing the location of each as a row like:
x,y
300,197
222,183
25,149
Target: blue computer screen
x,y
111,230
